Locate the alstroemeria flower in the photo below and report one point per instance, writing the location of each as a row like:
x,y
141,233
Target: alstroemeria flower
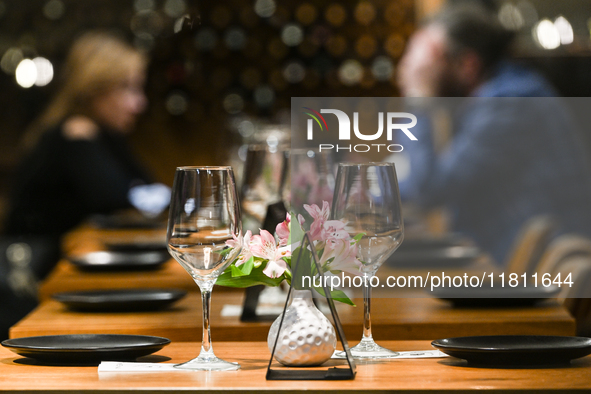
x,y
244,242
265,247
283,230
333,230
319,216
344,254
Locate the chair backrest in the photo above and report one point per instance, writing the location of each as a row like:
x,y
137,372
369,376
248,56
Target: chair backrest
x,y
577,298
562,248
530,244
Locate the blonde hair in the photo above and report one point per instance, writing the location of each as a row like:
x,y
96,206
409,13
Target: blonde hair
x,y
97,62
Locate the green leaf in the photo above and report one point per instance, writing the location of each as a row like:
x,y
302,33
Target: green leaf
x,y
358,237
242,270
255,277
336,295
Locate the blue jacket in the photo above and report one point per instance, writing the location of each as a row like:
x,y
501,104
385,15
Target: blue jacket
x,y
511,158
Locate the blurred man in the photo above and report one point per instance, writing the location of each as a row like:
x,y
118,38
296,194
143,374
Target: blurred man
x,y
508,159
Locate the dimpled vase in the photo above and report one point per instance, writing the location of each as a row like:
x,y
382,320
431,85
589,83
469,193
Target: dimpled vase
x,y
307,337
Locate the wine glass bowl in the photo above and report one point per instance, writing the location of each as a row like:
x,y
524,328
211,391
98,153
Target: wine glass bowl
x,y
367,199
204,214
264,171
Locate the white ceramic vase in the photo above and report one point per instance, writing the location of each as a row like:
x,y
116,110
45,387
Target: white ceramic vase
x,y
307,337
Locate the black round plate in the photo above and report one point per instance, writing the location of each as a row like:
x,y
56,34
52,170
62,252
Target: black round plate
x,y
120,261
496,296
116,300
85,348
515,350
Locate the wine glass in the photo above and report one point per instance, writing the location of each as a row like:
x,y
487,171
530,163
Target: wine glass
x,y
204,214
311,180
367,198
261,184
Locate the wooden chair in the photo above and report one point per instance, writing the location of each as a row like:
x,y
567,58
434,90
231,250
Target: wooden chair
x,y
561,249
577,298
530,245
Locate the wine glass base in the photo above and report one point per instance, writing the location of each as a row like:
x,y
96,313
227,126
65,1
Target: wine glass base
x,y
208,364
369,350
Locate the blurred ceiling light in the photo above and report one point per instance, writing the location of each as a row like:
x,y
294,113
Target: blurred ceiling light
x,y
174,8
264,96
54,9
292,35
246,128
394,45
233,103
44,71
565,30
273,143
510,17
546,34
265,8
366,45
26,73
382,68
10,60
235,38
365,12
306,13
144,5
176,103
335,14
350,72
294,72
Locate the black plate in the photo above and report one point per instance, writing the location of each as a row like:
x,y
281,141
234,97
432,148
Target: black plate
x,y
496,296
515,350
116,261
85,348
448,257
120,299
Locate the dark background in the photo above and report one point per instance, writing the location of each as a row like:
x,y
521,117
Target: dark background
x,y
234,60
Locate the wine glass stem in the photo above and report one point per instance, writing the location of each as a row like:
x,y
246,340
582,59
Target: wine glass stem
x,y
206,339
366,308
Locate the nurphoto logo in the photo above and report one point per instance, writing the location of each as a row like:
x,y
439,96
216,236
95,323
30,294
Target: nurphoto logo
x,y
395,121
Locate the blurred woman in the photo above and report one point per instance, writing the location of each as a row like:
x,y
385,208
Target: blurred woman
x,y
77,162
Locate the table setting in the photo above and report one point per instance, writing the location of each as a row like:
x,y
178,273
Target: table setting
x,y
205,238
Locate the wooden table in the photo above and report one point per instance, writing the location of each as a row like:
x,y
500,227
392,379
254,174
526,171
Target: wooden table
x,y
67,277
401,376
403,318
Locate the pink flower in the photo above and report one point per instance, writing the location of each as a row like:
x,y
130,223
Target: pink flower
x,y
265,247
333,230
244,243
345,256
319,216
283,230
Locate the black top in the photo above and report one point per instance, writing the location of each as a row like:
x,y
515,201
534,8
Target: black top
x,y
62,181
